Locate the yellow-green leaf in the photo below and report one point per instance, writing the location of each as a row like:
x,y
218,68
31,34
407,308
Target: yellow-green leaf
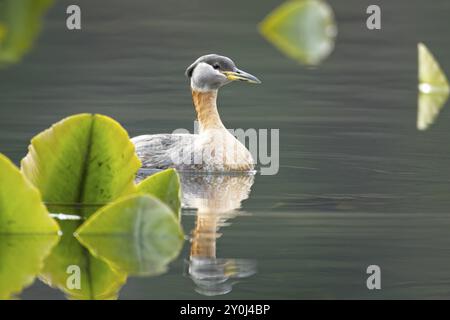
x,y
98,281
21,208
165,186
138,235
433,88
429,106
304,30
20,23
2,32
431,77
83,159
21,259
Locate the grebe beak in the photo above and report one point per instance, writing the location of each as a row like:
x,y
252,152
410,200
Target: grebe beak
x,y
241,75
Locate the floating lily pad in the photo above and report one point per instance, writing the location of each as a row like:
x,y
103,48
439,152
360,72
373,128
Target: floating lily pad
x,y
165,186
21,259
138,235
304,30
20,23
2,32
83,159
98,280
431,77
433,88
429,106
21,208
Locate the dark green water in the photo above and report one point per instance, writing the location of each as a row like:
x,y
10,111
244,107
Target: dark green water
x,y
358,183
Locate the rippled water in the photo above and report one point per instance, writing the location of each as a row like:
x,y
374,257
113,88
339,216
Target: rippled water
x,y
358,183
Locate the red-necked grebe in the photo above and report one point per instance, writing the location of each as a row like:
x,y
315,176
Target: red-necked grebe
x,y
214,148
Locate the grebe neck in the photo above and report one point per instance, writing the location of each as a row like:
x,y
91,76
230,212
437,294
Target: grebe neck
x,y
205,103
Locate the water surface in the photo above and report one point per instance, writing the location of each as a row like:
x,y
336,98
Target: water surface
x,y
358,183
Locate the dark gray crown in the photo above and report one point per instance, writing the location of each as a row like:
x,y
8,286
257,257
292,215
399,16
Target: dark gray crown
x,y
216,61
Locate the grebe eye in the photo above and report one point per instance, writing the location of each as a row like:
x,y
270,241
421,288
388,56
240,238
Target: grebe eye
x,y
216,66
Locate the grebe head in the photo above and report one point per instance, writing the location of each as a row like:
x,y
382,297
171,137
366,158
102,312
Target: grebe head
x,y
210,72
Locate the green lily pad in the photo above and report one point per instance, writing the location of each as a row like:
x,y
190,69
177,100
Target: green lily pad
x,y
21,208
98,280
429,106
20,23
304,30
433,88
21,259
2,32
165,186
83,159
138,235
431,77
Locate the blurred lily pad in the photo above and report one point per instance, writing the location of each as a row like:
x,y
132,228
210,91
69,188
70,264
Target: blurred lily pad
x,y
165,186
98,280
429,106
431,77
83,159
2,32
21,259
138,235
433,88
21,209
304,30
20,23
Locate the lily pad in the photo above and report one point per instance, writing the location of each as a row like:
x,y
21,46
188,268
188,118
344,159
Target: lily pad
x,y
429,106
21,208
165,186
138,235
304,30
431,77
20,23
21,259
98,280
83,159
433,88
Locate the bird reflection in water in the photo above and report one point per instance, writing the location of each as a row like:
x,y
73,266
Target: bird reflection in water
x,y
215,199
